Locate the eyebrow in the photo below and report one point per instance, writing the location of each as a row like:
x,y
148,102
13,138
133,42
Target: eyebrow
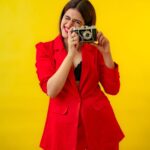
x,y
74,19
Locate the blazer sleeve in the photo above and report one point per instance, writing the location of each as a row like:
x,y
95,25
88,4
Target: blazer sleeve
x,y
109,78
45,66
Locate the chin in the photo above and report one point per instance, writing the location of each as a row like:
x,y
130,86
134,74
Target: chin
x,y
64,35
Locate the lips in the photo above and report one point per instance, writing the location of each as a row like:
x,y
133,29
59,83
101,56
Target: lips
x,y
66,29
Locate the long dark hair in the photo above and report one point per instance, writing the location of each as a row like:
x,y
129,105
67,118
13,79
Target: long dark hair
x,y
85,8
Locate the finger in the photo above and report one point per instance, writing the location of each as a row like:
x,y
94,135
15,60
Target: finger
x,y
73,34
76,38
103,41
75,42
99,34
71,30
101,37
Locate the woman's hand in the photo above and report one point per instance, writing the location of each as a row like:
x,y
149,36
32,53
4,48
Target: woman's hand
x,y
73,42
104,48
103,44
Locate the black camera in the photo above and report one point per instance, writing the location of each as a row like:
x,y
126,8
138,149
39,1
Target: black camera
x,y
86,33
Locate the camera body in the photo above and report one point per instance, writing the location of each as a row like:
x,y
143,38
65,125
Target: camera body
x,y
86,33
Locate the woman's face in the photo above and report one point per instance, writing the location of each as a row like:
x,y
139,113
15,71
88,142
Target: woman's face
x,y
72,18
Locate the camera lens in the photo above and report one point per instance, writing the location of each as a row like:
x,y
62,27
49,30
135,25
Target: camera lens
x,y
87,35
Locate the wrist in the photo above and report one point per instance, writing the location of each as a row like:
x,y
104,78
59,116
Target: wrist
x,y
106,53
108,60
70,56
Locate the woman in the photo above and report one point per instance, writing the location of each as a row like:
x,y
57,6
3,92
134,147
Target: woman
x,y
79,116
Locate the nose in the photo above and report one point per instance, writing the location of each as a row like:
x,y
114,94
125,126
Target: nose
x,y
69,23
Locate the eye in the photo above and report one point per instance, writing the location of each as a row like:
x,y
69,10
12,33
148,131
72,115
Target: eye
x,y
78,22
67,17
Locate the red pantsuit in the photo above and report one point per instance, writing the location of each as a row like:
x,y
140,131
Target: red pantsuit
x,y
82,117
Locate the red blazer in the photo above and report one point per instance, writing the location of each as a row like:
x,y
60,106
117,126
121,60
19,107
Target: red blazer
x,y
101,127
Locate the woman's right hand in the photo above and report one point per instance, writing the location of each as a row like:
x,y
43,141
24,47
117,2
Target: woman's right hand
x,y
73,42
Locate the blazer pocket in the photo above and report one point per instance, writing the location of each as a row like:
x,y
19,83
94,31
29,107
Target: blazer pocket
x,y
60,109
99,104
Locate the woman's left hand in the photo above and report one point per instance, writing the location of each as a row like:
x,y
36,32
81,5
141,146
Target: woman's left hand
x,y
103,44
104,48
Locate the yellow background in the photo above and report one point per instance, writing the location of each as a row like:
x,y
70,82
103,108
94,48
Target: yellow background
x,y
23,106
